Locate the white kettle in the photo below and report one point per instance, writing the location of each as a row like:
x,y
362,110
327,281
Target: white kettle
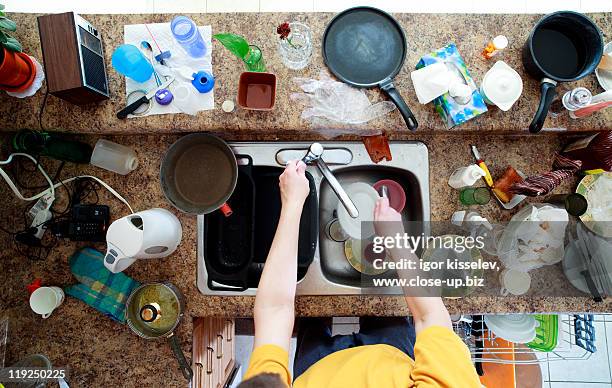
x,y
149,234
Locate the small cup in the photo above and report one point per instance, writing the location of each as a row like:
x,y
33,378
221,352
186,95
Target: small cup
x,y
46,299
514,282
475,196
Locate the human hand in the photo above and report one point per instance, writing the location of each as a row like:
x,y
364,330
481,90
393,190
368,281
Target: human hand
x,y
387,221
294,185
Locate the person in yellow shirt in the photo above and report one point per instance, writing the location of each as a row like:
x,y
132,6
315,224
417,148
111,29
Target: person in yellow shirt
x,y
437,358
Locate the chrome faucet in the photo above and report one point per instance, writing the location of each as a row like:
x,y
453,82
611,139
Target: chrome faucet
x,y
313,156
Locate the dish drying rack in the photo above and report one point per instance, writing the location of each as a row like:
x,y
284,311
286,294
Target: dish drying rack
x,y
573,343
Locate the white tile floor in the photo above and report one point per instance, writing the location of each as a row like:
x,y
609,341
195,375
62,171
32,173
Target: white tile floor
x,y
200,6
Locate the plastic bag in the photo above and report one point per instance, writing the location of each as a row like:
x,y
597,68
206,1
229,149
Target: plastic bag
x,y
535,237
333,102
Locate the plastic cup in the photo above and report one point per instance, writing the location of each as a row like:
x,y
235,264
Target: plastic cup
x,y
475,196
129,61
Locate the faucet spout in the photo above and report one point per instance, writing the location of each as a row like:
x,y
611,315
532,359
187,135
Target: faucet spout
x,y
314,156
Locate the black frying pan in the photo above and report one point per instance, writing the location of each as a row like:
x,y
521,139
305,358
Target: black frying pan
x,y
366,47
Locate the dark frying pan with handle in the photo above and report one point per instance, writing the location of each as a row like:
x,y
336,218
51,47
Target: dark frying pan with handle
x,y
366,47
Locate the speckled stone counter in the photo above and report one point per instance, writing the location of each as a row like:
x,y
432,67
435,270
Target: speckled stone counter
x,y
103,353
424,32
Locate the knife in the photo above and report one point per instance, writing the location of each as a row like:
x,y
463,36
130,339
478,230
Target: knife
x,y
482,165
123,113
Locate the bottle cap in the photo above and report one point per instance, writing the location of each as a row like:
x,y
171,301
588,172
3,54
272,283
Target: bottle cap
x,y
131,163
500,42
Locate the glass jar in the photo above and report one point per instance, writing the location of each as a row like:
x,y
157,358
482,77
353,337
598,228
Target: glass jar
x,y
253,60
296,49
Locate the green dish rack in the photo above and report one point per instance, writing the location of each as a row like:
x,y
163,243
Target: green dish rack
x,y
547,333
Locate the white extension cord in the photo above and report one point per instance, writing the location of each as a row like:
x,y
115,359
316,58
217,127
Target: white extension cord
x,y
52,187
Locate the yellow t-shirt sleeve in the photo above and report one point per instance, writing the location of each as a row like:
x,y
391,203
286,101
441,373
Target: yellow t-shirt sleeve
x,y
269,359
441,359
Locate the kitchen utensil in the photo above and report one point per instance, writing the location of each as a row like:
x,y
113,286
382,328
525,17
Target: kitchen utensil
x,y
149,234
395,193
123,113
366,47
595,265
563,46
154,310
590,109
256,90
604,75
501,86
198,174
514,282
136,95
474,196
547,333
46,299
597,189
481,163
575,204
360,256
364,197
516,328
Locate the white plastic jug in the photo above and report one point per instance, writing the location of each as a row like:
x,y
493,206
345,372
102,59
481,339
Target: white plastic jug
x,y
114,157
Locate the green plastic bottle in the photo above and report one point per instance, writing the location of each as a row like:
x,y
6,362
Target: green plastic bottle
x,y
52,145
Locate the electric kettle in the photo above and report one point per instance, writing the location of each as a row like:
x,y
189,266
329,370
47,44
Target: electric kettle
x,y
149,234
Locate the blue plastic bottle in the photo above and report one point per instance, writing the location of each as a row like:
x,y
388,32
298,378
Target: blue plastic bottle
x,y
187,34
129,61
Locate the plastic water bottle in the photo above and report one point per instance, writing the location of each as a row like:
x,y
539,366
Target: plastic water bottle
x,y
129,61
186,32
114,157
465,176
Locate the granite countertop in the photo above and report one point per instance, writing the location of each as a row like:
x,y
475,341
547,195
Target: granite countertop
x,y
101,352
424,32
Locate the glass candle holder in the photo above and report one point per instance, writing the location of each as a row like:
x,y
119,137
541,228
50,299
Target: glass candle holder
x,y
296,49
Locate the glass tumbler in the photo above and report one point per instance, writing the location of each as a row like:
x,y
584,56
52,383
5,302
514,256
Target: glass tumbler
x,y
474,196
295,50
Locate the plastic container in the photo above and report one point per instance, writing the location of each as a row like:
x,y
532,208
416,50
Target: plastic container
x,y
129,61
547,333
186,33
114,157
465,176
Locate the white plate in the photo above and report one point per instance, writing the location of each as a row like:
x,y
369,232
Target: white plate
x,y
516,328
604,77
364,197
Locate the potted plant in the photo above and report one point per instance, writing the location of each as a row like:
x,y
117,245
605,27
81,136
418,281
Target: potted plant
x,y
17,70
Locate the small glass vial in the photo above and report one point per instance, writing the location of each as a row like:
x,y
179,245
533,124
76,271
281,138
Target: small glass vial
x,y
114,157
186,32
497,44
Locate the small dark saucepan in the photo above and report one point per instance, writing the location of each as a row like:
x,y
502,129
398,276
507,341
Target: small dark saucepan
x,y
563,46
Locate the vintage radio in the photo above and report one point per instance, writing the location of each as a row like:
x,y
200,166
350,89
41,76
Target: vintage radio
x,y
73,57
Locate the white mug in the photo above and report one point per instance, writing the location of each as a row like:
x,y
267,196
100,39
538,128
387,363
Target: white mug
x,y
46,299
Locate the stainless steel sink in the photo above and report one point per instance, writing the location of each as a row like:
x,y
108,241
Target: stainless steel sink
x,y
330,273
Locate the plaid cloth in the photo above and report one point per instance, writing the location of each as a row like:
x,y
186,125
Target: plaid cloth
x,y
103,290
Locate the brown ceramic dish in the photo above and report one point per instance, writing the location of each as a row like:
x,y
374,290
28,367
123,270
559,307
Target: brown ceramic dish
x,y
257,91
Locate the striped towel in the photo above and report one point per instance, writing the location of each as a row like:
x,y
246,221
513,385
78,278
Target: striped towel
x,y
100,288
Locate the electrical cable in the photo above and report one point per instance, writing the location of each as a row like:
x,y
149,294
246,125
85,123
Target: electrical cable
x,y
42,109
15,189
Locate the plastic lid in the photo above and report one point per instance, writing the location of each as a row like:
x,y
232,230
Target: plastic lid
x,y
502,85
500,42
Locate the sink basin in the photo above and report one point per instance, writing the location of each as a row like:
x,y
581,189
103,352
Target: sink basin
x,y
329,273
334,265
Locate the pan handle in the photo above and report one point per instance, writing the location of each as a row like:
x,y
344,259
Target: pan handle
x,y
178,353
388,87
548,93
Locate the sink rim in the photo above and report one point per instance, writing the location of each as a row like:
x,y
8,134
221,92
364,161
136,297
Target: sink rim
x,y
407,155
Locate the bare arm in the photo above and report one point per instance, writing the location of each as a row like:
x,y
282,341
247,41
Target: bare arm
x,y
274,303
426,310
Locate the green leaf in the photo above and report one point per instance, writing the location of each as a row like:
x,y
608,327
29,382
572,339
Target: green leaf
x,y
236,44
7,24
12,44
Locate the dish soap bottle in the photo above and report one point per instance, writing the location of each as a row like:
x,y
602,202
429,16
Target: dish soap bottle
x,y
114,157
465,176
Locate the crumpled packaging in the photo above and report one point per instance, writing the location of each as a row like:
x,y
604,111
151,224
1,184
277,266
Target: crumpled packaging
x,y
329,102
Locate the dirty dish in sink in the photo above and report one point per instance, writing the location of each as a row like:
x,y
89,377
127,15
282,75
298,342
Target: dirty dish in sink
x,y
396,193
362,257
516,328
364,197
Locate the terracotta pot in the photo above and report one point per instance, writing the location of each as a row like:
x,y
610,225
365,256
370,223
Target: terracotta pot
x,y
17,71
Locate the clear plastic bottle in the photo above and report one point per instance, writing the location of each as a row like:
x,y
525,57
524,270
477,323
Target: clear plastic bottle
x,y
186,32
465,176
114,157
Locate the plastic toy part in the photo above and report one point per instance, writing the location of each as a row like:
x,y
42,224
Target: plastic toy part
x,y
163,97
203,81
